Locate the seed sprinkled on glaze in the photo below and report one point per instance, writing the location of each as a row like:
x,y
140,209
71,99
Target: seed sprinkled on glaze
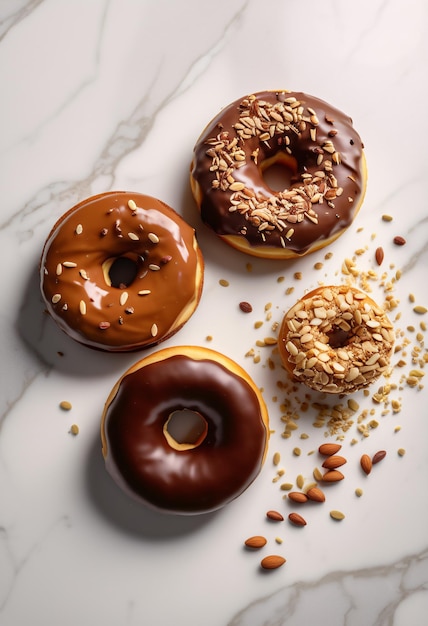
x,y
82,307
154,330
144,292
58,270
104,325
153,237
132,205
56,298
133,236
123,297
154,267
69,264
79,229
84,274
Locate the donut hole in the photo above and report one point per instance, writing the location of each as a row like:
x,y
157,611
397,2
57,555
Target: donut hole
x,y
278,171
120,272
185,429
338,338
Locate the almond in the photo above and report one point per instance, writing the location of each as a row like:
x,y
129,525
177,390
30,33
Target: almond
x,y
327,449
256,542
379,255
315,494
366,464
298,496
334,461
399,241
273,561
297,519
381,454
275,516
332,476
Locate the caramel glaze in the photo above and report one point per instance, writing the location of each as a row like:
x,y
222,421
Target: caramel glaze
x,y
197,480
75,283
254,132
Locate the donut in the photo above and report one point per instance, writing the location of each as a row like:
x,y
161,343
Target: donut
x,y
336,339
184,430
121,271
322,161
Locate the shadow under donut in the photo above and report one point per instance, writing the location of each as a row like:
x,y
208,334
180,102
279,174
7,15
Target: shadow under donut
x,y
52,346
128,515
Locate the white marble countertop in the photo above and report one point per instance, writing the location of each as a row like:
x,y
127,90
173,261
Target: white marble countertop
x,y
112,94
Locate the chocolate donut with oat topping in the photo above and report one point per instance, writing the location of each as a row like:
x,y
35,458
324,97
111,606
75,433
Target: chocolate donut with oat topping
x,y
318,147
336,339
185,430
121,271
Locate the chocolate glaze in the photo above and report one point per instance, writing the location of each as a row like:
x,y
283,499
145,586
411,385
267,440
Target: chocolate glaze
x,y
193,481
331,126
118,318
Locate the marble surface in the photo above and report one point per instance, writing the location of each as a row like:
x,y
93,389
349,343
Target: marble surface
x,y
112,94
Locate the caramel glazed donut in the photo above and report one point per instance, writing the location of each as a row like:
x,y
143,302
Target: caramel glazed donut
x,y
336,339
315,142
121,271
184,431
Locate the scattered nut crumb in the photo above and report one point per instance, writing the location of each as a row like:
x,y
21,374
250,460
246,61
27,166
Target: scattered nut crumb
x,y
337,515
401,451
358,492
223,282
74,430
65,405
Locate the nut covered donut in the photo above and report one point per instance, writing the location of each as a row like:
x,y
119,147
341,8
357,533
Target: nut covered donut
x,y
184,430
336,339
121,271
318,146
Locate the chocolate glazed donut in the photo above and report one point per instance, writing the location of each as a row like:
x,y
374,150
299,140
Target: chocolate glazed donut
x,y
213,451
121,271
316,145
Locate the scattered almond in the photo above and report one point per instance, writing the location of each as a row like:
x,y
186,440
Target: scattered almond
x,y
297,519
315,494
273,561
399,241
256,542
298,496
327,449
332,476
275,516
366,464
379,255
245,307
381,454
334,461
